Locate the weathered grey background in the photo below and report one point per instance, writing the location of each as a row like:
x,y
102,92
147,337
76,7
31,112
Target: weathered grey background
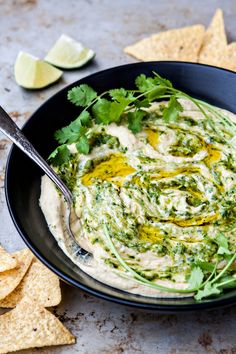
x,y
105,26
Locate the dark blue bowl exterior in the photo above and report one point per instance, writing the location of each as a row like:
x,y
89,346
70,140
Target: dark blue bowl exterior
x,y
22,184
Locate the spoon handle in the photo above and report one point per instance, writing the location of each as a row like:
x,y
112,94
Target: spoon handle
x,y
10,129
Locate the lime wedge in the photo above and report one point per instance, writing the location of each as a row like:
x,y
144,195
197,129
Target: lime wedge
x,y
32,73
69,54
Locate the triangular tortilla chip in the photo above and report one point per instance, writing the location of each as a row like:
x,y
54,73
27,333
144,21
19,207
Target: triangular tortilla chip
x,y
30,325
7,261
214,44
229,60
10,279
231,56
178,44
40,284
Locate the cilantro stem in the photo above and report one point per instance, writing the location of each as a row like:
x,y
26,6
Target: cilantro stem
x,y
224,269
208,280
226,282
95,100
137,277
130,108
198,104
219,114
221,119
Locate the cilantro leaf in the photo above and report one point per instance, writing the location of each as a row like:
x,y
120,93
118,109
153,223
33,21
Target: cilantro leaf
x,y
106,112
152,87
68,134
144,83
60,156
122,99
118,94
74,130
116,109
148,83
85,119
196,278
101,111
83,145
81,95
222,242
121,95
171,112
142,103
135,121
208,290
161,81
156,93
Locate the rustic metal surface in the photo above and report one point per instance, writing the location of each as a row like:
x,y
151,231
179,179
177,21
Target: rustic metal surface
x,y
105,26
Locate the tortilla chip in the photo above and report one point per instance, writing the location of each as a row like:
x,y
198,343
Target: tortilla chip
x,y
7,261
214,45
40,284
178,44
231,57
30,325
10,279
229,60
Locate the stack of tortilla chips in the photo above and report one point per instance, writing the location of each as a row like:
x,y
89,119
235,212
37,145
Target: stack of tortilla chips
x,y
194,44
27,286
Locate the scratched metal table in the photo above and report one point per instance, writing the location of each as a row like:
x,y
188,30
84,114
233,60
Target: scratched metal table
x,y
105,26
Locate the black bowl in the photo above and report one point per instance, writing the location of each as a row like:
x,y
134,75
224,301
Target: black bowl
x,y
22,186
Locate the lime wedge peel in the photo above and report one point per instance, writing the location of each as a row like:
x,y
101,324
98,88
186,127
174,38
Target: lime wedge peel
x,y
68,53
33,73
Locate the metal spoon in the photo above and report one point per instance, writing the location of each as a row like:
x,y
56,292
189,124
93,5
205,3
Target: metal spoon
x,y
10,129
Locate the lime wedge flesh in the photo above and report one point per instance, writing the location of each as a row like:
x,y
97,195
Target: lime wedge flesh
x,y
68,53
33,73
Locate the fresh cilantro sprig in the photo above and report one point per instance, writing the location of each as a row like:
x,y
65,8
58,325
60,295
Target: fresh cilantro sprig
x,y
74,130
213,285
113,105
109,107
217,283
132,274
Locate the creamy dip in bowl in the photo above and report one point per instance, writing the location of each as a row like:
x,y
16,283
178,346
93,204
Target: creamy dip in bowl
x,y
165,195
212,85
